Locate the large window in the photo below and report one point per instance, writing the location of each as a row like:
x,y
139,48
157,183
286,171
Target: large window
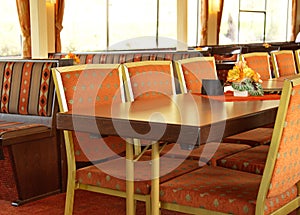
x,y
252,21
10,33
128,24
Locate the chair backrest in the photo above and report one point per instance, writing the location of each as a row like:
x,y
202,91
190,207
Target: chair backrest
x,y
297,58
260,63
226,53
283,63
85,86
192,71
88,84
283,162
148,79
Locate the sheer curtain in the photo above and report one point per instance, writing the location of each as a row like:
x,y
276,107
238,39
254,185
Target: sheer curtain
x,y
219,20
24,19
59,14
204,21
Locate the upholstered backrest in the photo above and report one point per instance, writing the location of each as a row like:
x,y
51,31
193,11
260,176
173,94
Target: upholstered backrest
x,y
192,71
86,86
282,169
26,87
259,62
283,63
149,79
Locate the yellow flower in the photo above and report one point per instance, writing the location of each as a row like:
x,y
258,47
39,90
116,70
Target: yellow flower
x,y
241,71
71,55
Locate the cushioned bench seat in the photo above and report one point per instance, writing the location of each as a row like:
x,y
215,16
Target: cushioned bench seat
x,y
30,157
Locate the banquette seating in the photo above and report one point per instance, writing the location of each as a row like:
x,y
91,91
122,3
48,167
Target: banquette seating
x,y
30,157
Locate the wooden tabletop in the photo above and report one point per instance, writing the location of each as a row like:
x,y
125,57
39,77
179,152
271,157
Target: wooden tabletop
x,y
272,85
180,118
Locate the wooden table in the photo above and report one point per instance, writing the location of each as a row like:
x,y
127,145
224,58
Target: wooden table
x,y
186,119
273,85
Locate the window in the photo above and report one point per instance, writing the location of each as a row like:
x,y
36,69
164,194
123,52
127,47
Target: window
x,y
10,34
127,24
252,21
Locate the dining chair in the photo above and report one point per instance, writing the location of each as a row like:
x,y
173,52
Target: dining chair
x,y
85,87
283,62
191,72
218,190
148,80
259,62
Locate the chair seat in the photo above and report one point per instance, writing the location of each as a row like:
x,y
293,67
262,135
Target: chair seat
x,y
251,160
220,189
208,153
254,137
96,150
112,174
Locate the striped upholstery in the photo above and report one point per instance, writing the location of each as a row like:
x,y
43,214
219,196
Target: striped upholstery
x,y
26,88
130,56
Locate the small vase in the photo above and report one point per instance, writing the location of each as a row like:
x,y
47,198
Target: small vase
x,y
240,93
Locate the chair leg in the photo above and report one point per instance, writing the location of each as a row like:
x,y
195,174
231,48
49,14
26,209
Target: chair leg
x,y
148,205
70,197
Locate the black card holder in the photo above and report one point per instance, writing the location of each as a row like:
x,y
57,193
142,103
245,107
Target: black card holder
x,y
212,87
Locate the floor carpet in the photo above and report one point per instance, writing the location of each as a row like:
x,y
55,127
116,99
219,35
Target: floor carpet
x,y
86,203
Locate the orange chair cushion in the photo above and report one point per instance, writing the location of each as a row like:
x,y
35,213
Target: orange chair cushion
x,y
208,153
220,189
88,147
251,160
112,174
254,137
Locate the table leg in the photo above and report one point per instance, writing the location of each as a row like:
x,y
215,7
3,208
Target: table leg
x,y
155,179
130,209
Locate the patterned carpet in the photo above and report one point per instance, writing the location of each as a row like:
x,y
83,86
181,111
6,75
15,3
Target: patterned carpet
x,y
85,203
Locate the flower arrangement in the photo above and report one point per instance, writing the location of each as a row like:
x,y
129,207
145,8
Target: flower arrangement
x,y
243,78
71,55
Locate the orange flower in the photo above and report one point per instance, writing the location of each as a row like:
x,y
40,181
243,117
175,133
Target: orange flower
x,y
71,55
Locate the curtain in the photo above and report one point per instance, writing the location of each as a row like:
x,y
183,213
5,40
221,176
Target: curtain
x,y
294,20
219,19
204,21
59,14
24,19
